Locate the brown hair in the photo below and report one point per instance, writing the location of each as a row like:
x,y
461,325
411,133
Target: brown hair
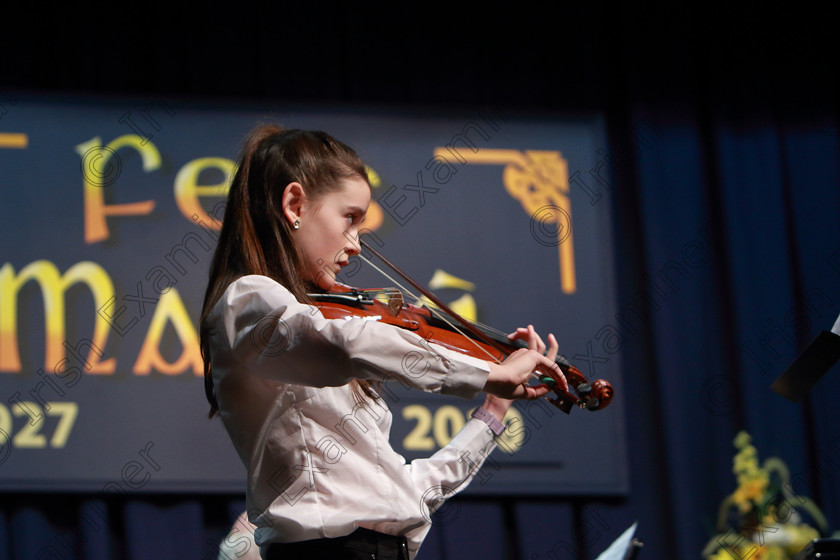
x,y
255,237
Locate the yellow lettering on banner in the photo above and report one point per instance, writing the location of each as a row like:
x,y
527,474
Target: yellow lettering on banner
x,y
29,434
375,215
99,170
17,140
187,189
418,438
465,305
5,425
539,180
67,413
53,288
170,308
448,421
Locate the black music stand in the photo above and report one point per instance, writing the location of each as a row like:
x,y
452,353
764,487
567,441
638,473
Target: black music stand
x,y
817,358
625,547
820,549
633,549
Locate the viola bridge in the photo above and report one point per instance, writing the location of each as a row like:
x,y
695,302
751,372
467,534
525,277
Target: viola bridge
x,y
393,299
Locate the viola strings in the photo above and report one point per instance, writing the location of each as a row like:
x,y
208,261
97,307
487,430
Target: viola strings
x,y
433,309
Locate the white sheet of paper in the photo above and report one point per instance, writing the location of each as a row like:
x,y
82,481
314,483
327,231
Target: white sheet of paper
x,y
836,328
619,547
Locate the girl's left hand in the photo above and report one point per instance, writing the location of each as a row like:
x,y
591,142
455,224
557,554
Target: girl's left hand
x,y
499,406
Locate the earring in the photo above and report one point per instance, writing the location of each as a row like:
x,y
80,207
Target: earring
x,y
296,225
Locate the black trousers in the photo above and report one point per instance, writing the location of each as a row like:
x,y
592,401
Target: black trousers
x,y
361,544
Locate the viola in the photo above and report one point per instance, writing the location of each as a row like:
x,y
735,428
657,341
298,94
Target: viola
x,y
437,325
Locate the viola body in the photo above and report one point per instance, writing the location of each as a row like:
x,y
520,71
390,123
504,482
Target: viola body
x,y
388,307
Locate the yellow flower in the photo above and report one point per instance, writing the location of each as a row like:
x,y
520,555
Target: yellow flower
x,y
800,536
752,552
721,554
742,439
750,492
773,553
745,462
757,506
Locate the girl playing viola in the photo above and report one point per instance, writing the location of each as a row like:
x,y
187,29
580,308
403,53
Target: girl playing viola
x,y
299,394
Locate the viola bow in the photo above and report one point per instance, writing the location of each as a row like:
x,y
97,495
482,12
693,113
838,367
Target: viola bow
x,y
589,396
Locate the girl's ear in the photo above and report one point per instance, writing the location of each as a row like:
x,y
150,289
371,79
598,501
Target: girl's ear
x,y
294,198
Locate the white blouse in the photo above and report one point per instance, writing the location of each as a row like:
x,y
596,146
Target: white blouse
x,y
319,462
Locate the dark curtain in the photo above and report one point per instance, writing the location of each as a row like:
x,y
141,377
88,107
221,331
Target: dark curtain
x,y
722,176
